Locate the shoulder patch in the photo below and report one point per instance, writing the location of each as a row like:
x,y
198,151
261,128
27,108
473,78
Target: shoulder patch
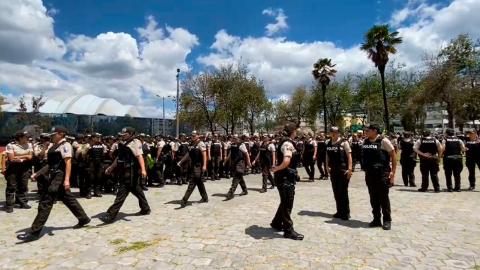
x,y
65,149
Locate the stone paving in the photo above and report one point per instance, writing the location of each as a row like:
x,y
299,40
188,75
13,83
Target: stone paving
x,y
429,231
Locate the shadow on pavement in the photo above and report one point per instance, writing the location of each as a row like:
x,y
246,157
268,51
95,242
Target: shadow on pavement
x,y
415,190
119,216
46,230
178,203
346,223
254,189
262,233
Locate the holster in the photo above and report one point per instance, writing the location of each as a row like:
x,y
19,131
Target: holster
x,y
56,182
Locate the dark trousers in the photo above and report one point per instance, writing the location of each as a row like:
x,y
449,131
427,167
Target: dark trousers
x,y
429,167
181,172
215,166
322,166
228,169
408,171
49,196
340,190
356,158
309,165
108,180
378,190
470,163
168,167
238,170
95,176
287,195
84,183
128,183
266,164
196,181
17,176
452,166
157,174
42,180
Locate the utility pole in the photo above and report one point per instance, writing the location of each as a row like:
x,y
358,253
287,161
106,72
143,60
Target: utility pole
x,y
178,96
163,107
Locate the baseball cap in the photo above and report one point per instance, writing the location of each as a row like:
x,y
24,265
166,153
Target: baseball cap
x,y
194,133
374,127
57,129
98,135
142,135
235,136
334,129
290,126
20,134
127,130
450,131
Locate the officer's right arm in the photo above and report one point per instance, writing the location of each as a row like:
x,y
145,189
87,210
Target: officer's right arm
x,y
287,151
416,148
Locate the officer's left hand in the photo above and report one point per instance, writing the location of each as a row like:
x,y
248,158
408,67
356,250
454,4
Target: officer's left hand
x,y
348,173
314,158
144,174
66,184
273,169
391,177
204,168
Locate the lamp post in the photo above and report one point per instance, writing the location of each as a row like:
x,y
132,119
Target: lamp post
x,y
163,114
178,93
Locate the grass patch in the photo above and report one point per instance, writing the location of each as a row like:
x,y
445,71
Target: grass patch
x,y
139,245
475,266
117,241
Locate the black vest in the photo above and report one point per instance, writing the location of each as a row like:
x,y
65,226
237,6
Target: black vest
x,y
182,149
95,153
473,151
254,148
428,145
300,145
195,154
54,157
167,149
154,151
355,146
337,158
309,148
125,155
216,149
373,155
295,157
407,150
106,156
452,147
145,149
264,152
247,145
235,153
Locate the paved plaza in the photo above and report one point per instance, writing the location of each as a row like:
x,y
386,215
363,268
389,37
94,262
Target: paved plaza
x,y
429,231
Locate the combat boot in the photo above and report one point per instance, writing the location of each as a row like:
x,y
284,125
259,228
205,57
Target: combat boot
x,y
292,234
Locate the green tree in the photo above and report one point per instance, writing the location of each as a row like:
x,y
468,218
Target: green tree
x,y
378,43
256,102
322,71
296,109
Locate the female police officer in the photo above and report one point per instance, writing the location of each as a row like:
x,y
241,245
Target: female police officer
x,y
285,179
59,166
17,173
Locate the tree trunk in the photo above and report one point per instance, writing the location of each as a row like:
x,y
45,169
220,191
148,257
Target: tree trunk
x,y
384,92
450,116
324,88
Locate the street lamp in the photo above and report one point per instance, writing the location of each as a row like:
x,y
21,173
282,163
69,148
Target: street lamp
x,y
163,107
178,93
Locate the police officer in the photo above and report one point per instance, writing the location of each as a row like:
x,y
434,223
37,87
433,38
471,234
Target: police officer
x,y
93,153
379,176
429,150
146,155
226,152
356,146
339,166
181,151
266,156
472,156
41,153
452,159
130,167
408,159
286,173
238,155
197,153
309,155
17,174
107,179
215,156
321,157
59,167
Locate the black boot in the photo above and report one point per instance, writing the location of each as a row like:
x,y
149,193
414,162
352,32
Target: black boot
x,y
292,234
82,223
28,237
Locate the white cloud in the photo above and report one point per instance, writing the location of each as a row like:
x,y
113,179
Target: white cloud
x,y
114,65
53,11
281,21
284,64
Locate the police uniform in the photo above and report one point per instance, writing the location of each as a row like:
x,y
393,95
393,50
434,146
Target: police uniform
x,y
285,180
337,159
40,151
17,174
266,151
321,157
195,154
472,159
376,162
429,165
452,161
181,171
128,168
408,160
94,153
57,156
215,158
227,147
238,152
308,160
108,179
356,146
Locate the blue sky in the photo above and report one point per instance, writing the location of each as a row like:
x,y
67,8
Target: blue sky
x,y
129,50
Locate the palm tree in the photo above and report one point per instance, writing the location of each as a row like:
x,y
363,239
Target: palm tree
x,y
378,43
322,71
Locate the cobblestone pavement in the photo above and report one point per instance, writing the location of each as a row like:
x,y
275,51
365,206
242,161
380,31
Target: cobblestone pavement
x,y
429,231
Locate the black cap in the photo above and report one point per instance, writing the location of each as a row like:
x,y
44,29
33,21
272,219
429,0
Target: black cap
x,y
334,129
20,134
97,135
57,129
142,135
450,132
194,133
374,127
289,127
127,130
407,133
